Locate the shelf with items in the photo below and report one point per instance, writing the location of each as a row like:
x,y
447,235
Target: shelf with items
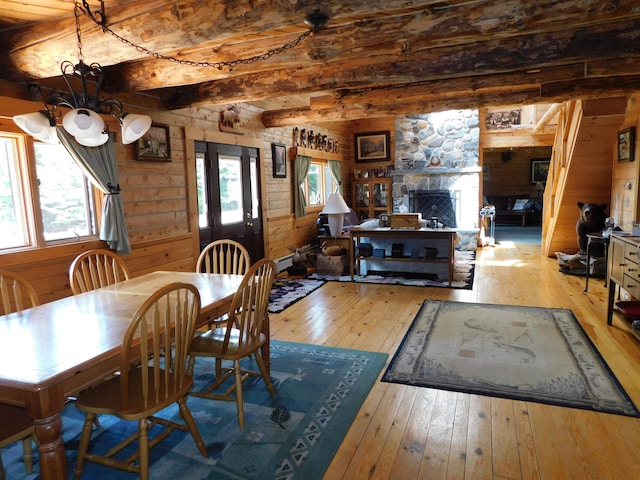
x,y
372,196
313,153
383,236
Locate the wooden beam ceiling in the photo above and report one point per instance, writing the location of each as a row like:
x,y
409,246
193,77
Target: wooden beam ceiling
x,y
372,59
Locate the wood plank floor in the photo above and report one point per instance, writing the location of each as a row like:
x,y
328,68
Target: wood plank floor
x,y
404,432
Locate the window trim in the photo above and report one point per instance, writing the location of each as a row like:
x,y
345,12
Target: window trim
x,y
30,196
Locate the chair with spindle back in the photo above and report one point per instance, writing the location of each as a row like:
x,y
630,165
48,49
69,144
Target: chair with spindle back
x,y
224,256
16,294
241,337
160,333
96,268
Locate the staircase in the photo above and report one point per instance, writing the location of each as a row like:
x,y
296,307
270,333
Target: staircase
x,y
580,169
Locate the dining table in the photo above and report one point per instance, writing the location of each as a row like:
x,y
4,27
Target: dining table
x,y
51,352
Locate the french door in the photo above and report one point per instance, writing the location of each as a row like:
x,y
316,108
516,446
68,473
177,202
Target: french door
x,y
228,180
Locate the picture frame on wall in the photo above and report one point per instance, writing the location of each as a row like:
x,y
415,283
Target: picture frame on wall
x,y
626,145
279,158
155,145
539,170
372,147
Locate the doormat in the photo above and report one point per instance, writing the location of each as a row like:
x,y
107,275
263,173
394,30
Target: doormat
x,y
293,435
463,274
287,291
533,354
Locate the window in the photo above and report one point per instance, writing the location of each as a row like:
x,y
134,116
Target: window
x,y
319,184
62,206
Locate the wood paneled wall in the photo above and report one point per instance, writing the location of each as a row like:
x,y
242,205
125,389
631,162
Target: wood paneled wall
x,y
626,175
160,199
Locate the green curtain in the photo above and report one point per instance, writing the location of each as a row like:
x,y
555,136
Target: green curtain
x,y
300,172
336,173
100,167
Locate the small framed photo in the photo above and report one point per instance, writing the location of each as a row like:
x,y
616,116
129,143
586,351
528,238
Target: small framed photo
x,y
627,145
279,158
372,147
539,170
155,145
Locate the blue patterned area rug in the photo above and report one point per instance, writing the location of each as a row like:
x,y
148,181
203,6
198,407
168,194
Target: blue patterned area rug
x,y
526,353
293,435
287,291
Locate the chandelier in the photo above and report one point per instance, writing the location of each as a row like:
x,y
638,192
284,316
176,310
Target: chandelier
x,y
83,121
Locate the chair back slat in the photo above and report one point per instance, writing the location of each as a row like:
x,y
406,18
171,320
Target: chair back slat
x,y
224,256
96,268
16,293
249,306
158,338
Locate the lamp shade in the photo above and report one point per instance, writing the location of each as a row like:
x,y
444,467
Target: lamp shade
x,y
82,122
134,126
95,141
335,208
38,125
335,204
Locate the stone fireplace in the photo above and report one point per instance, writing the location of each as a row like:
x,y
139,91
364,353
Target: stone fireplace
x,y
436,169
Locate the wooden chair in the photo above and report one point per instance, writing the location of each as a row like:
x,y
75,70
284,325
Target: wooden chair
x,y
16,425
16,293
142,390
96,268
240,338
224,256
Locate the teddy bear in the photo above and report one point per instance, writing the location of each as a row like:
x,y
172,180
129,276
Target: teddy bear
x,y
592,219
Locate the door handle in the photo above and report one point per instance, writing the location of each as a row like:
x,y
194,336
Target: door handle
x,y
250,224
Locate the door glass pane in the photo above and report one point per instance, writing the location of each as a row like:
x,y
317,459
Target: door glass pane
x,y
66,198
255,200
230,178
201,186
12,215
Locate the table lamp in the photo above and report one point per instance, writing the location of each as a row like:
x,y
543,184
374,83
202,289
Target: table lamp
x,y
335,208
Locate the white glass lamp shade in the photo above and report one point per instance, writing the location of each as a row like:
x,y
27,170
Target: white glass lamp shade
x,y
37,125
96,141
335,208
82,122
134,126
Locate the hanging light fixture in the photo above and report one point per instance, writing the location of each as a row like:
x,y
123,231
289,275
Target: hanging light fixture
x,y
83,121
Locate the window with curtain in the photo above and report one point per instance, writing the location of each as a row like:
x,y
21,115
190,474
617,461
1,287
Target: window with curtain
x,y
319,183
43,200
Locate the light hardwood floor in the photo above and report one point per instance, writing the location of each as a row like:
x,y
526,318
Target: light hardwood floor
x,y
404,432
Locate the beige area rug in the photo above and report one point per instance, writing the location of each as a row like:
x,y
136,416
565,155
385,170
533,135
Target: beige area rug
x,y
526,353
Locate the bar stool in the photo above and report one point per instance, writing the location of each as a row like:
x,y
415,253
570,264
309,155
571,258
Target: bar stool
x,y
595,239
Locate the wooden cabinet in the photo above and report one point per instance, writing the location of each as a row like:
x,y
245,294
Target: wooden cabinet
x,y
372,196
624,271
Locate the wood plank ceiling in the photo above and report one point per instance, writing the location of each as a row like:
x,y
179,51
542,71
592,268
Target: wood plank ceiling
x,y
372,59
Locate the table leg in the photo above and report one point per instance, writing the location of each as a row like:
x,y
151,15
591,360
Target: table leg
x,y
53,457
586,283
452,257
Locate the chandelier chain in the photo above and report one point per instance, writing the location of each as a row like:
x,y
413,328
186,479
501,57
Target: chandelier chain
x,y
102,23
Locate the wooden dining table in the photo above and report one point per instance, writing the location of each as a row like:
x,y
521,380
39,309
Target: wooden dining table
x,y
53,351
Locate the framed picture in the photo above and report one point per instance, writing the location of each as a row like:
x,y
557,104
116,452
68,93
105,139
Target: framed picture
x,y
154,146
539,170
279,158
627,144
372,147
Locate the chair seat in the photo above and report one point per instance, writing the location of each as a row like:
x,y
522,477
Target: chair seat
x,y
211,344
105,398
